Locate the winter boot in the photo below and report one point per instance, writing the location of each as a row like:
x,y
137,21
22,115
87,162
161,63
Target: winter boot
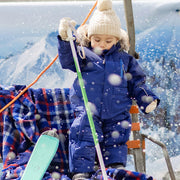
x,y
81,176
116,166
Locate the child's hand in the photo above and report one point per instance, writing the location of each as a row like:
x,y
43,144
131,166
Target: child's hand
x,y
63,27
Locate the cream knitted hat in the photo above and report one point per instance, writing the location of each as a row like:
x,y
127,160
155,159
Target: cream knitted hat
x,y
104,20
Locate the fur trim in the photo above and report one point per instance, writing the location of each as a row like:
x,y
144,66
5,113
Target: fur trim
x,y
82,32
124,41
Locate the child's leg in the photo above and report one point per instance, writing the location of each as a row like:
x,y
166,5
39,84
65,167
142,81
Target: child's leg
x,y
81,145
114,145
115,156
81,157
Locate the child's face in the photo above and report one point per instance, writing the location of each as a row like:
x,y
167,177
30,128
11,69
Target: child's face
x,y
103,41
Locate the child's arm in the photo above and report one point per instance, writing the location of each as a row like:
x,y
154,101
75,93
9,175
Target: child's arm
x,y
64,49
146,99
65,54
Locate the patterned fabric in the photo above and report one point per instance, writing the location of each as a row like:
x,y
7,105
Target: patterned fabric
x,y
23,122
123,174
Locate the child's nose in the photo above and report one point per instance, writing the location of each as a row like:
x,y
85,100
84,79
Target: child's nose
x,y
102,44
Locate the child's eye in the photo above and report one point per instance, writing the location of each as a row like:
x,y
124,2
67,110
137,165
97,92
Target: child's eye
x,y
108,42
97,40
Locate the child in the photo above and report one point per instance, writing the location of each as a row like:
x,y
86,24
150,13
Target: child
x,y
112,79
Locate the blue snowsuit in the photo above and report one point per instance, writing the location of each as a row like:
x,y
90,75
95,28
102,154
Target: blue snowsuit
x,y
110,104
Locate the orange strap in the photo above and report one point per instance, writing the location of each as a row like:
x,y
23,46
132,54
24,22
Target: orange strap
x,y
135,144
135,126
42,72
134,109
90,12
25,89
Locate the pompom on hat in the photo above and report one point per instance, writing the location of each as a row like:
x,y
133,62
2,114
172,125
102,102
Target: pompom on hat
x,y
104,20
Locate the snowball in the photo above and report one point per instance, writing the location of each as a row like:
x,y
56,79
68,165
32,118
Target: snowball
x,y
37,117
125,124
56,175
92,108
97,51
114,79
90,65
11,155
115,134
147,99
128,76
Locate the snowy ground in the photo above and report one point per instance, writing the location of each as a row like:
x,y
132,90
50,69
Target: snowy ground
x,y
158,168
28,43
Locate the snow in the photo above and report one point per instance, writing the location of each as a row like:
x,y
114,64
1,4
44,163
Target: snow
x,y
161,166
28,43
31,62
158,168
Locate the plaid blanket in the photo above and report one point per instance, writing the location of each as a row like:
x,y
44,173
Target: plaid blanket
x,y
21,124
36,111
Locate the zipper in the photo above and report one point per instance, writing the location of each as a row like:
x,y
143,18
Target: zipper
x,y
104,61
122,68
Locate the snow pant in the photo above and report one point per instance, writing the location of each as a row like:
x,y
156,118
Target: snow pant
x,y
112,135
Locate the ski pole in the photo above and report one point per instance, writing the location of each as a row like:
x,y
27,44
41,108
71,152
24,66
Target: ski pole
x,y
91,122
